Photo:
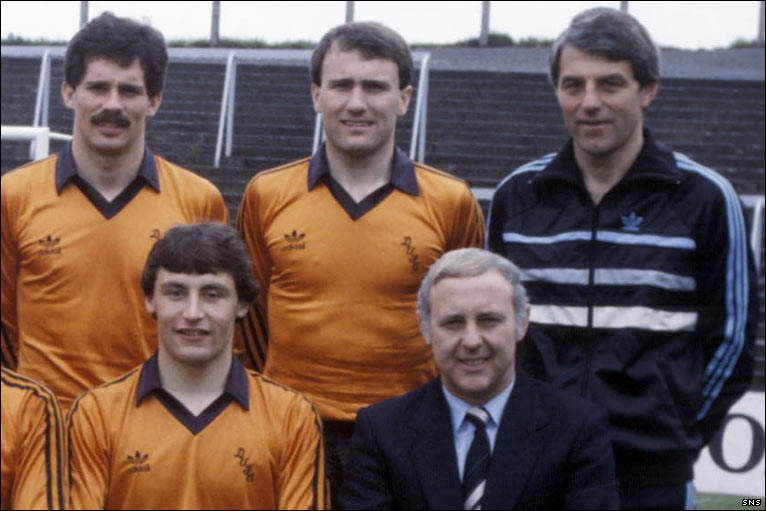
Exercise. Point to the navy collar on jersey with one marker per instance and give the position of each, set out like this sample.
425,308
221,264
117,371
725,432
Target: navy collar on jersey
402,178
654,162
402,175
236,382
235,390
66,169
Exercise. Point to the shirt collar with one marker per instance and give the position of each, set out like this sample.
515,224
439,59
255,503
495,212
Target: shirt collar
495,406
66,169
236,383
402,175
654,161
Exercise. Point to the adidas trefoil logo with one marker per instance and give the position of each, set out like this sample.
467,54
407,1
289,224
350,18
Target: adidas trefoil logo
631,222
295,241
49,245
138,462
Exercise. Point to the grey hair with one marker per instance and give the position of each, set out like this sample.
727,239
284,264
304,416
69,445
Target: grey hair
471,262
611,34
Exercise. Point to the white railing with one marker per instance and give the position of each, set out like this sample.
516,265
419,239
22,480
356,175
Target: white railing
227,109
420,117
42,100
318,133
39,135
756,228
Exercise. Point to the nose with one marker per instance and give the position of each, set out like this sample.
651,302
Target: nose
591,97
356,100
192,309
472,337
113,100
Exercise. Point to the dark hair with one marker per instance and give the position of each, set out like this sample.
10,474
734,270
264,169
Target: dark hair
202,248
614,35
122,40
372,40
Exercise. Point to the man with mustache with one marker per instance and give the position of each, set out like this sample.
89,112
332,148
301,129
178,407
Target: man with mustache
637,265
77,226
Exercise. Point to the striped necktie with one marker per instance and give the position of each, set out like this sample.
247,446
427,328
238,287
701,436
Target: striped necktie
477,461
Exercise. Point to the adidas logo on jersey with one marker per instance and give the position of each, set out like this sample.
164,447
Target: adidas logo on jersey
50,245
294,241
138,462
631,222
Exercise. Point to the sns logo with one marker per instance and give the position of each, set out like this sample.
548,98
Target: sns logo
751,502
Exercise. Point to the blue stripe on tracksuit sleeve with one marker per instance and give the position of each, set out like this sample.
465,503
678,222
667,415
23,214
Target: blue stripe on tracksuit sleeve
720,367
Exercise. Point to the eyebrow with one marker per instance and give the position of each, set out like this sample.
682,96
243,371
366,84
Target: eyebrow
365,83
122,86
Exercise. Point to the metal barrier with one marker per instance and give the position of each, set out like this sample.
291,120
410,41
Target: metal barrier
756,202
318,133
39,135
42,100
419,120
227,109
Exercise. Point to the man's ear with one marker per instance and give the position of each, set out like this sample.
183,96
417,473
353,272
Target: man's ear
242,310
67,91
526,322
648,93
154,104
315,92
149,304
405,95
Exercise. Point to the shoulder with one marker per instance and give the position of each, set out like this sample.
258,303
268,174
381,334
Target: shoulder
570,411
404,406
523,174
437,182
29,177
20,392
115,394
275,397
702,181
281,176
187,179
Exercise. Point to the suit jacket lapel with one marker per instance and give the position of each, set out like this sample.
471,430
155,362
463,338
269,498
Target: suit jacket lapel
433,450
516,448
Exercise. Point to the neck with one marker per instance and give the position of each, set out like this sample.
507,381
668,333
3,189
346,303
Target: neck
602,172
196,387
110,174
361,175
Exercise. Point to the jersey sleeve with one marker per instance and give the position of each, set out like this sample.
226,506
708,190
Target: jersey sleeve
727,280
495,221
302,483
9,263
215,209
88,451
251,335
468,224
40,472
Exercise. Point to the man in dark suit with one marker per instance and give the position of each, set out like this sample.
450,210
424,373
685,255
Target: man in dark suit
482,435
